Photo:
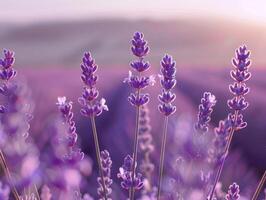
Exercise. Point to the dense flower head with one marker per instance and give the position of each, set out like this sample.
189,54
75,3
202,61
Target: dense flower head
91,106
106,166
168,81
125,173
205,110
139,82
139,45
73,153
7,72
239,89
233,192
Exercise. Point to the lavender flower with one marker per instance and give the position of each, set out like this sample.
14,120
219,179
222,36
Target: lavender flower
140,50
205,109
46,193
28,197
240,75
4,191
106,166
125,173
138,82
90,105
7,72
73,154
168,82
146,147
233,192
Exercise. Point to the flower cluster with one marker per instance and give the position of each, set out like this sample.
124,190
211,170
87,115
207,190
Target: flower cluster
146,146
140,50
168,81
205,109
240,75
90,105
7,72
73,154
217,152
106,166
233,192
125,173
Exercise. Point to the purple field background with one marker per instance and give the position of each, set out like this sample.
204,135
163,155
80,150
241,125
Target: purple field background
48,58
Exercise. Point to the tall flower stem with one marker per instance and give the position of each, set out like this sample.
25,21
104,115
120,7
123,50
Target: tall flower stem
219,172
259,187
135,149
8,175
97,147
162,154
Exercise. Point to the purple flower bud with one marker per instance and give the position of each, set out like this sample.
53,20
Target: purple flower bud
168,72
91,106
106,166
140,100
140,65
139,45
205,109
7,72
125,173
233,192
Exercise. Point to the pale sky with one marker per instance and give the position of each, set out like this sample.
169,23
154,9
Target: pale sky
43,10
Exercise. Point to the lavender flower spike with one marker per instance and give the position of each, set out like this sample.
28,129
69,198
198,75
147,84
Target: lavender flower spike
168,72
138,82
7,72
166,98
233,192
238,103
73,154
205,110
140,50
106,165
126,173
92,107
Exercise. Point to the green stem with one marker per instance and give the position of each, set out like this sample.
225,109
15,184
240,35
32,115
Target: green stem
162,155
97,147
259,187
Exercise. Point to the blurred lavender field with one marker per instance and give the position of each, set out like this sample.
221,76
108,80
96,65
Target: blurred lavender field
48,58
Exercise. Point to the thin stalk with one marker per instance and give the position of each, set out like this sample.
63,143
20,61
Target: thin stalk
8,175
36,192
135,150
97,147
219,172
162,154
259,187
